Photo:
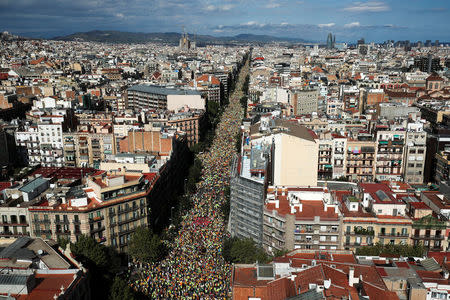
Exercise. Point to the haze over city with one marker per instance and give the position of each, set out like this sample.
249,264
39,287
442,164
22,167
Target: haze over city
310,20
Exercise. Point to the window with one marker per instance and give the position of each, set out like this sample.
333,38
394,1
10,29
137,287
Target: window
323,238
76,218
323,228
56,218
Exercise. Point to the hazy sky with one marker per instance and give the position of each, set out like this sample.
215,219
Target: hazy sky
308,19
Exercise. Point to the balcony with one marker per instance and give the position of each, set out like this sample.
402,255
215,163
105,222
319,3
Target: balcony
393,235
12,234
98,229
362,231
95,219
327,232
357,244
63,232
129,220
41,232
427,237
13,224
42,221
61,221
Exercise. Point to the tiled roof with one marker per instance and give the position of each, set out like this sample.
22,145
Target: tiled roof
310,209
434,77
376,293
63,172
4,185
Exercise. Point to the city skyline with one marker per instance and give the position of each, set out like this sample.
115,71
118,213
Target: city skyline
349,20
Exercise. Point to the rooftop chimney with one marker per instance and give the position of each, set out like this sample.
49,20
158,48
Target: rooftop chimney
351,277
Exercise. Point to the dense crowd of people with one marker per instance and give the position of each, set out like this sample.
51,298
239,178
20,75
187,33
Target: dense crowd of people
195,268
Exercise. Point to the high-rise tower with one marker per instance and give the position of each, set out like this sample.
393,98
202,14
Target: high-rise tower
330,41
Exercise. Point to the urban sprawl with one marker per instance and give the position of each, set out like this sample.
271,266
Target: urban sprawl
330,161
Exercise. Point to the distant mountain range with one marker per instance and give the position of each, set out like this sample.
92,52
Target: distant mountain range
168,37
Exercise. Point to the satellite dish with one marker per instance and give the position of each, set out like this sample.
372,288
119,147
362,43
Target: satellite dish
40,252
327,283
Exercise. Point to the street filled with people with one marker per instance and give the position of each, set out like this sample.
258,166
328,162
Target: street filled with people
194,267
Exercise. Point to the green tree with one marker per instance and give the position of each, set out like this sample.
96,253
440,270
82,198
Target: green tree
62,242
390,249
102,262
213,109
145,246
120,290
278,253
90,252
243,251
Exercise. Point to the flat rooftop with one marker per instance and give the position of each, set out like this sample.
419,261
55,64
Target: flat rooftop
161,90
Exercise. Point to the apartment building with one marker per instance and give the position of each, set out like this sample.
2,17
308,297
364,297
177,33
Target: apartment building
304,101
250,174
189,122
109,209
28,138
390,155
338,155
360,160
370,215
414,159
51,144
211,86
428,230
442,166
325,162
15,221
300,218
140,141
88,149
157,97
350,97
295,151
372,97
